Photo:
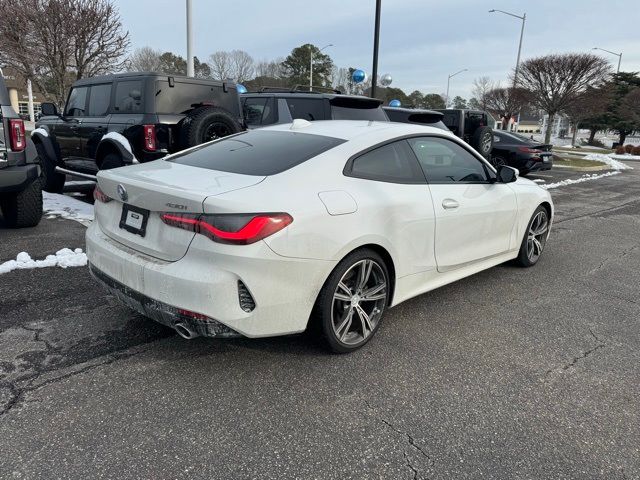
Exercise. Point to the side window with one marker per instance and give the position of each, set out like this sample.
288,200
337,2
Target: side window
77,102
306,108
444,161
393,163
259,111
128,97
99,98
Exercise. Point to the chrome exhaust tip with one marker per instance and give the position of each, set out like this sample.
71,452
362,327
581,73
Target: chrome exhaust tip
184,330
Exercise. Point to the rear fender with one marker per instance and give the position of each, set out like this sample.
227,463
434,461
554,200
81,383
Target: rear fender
115,141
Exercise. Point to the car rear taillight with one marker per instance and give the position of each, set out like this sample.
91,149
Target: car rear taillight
100,196
149,137
530,150
18,139
240,229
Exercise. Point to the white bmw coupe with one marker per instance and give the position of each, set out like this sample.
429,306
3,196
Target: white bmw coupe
329,223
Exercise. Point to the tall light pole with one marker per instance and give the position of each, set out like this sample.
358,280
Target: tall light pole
376,42
523,18
619,55
449,81
190,69
311,63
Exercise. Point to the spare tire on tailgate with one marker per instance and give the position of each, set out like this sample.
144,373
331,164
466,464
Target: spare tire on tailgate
205,124
482,141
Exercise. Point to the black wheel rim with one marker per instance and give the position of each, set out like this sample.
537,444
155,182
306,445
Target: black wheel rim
214,131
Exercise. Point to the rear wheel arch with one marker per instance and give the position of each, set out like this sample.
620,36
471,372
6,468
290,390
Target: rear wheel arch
547,207
104,149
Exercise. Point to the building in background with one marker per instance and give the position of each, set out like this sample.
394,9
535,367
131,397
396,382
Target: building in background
17,86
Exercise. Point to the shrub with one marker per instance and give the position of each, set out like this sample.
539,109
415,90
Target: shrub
628,148
620,150
597,143
636,150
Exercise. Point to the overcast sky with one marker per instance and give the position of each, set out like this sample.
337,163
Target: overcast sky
421,41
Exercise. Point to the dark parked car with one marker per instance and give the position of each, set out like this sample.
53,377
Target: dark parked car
20,191
473,126
116,120
430,118
278,105
520,152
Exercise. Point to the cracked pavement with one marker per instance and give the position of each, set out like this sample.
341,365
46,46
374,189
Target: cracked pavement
511,373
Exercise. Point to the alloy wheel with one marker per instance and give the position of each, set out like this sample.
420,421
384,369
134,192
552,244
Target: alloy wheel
214,131
358,302
537,236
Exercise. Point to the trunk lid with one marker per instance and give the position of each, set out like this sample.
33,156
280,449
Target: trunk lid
153,188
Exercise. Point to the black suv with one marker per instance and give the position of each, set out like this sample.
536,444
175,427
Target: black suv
116,120
473,126
20,191
278,105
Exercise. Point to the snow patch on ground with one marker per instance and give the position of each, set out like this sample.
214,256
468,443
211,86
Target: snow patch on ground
609,160
538,180
55,205
63,258
584,178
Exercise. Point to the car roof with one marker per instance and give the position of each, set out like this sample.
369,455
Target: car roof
144,75
412,110
351,129
302,94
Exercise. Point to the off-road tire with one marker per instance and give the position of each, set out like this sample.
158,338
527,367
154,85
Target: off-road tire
50,180
111,160
23,209
205,124
482,141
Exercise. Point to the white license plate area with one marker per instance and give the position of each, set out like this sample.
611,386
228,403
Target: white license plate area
134,219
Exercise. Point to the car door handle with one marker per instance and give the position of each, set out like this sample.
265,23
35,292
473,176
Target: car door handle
449,204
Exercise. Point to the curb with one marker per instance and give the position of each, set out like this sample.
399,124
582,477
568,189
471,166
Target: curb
597,168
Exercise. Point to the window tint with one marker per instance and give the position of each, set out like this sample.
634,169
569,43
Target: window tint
129,97
99,98
306,108
393,162
444,161
258,152
77,102
182,96
259,111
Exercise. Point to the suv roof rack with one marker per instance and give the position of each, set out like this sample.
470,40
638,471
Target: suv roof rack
298,89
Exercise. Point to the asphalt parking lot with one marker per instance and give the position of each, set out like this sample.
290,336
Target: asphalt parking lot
511,373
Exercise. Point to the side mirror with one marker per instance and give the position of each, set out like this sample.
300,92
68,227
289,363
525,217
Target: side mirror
507,174
49,109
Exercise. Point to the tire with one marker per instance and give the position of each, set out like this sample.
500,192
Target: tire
347,323
111,160
482,141
23,209
205,124
538,228
50,180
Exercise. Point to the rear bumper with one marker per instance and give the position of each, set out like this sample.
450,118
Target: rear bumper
205,282
17,178
538,166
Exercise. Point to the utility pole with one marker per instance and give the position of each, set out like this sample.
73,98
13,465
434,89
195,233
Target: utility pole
449,81
32,117
619,55
190,68
376,42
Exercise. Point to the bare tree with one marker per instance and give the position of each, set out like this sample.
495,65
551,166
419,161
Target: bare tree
556,81
220,64
589,104
242,65
145,59
54,42
270,68
481,87
505,102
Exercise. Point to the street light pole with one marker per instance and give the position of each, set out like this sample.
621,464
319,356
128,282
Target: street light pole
190,68
619,55
524,19
449,81
311,63
376,42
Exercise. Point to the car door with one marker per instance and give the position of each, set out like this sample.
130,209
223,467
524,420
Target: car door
67,132
96,121
128,110
259,111
475,216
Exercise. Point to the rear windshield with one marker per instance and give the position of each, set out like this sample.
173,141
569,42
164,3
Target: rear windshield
513,138
258,152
